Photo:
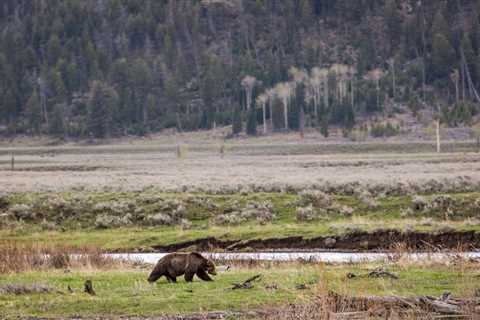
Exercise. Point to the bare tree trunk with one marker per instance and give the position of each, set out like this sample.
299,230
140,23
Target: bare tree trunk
438,135
301,123
469,78
352,88
423,78
392,65
264,110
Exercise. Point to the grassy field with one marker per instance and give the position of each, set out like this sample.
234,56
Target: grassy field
71,218
126,292
133,196
184,163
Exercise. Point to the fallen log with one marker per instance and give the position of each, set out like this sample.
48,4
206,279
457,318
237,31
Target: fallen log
247,284
444,305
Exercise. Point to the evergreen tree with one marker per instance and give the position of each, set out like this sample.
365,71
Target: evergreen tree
237,120
252,122
34,112
101,106
57,124
443,56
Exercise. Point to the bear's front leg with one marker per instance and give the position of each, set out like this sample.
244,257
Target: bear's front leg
203,275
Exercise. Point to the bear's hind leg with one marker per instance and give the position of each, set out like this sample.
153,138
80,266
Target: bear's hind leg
203,275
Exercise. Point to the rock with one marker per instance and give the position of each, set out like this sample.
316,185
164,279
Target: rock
329,242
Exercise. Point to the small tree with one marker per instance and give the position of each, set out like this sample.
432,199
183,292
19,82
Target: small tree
237,121
34,112
102,105
252,122
57,125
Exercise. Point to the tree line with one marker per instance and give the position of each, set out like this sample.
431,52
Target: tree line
102,68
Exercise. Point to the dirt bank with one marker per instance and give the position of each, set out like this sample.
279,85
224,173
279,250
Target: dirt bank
356,241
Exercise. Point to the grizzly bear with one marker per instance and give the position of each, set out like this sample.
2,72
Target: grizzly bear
175,264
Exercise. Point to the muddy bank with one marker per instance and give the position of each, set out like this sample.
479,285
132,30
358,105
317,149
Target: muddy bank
357,241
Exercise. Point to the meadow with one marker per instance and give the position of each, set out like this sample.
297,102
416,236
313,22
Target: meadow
54,289
186,163
186,193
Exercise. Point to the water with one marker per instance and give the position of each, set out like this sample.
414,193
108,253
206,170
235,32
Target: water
327,257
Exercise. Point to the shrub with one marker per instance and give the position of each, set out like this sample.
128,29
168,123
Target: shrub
419,204
384,130
316,198
306,213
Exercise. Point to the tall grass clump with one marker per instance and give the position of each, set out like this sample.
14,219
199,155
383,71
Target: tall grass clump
17,257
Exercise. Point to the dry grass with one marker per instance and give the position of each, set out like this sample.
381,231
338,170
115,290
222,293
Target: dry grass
268,164
17,257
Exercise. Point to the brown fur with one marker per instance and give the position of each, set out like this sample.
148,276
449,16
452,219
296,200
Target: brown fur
176,264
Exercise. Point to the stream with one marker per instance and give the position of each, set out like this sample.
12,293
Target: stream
327,257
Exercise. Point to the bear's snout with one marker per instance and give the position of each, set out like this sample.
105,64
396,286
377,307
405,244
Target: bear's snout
152,278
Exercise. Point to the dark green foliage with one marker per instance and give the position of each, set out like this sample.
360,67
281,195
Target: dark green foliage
33,112
252,122
443,56
384,130
102,105
166,64
460,113
237,121
57,123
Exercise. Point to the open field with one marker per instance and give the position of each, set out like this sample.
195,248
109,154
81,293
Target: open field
185,163
259,194
144,221
125,292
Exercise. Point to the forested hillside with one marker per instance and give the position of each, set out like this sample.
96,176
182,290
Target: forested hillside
103,68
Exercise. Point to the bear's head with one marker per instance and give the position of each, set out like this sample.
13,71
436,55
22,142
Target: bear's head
154,276
210,267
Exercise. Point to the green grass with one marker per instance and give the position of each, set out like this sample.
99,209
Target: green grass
126,292
78,229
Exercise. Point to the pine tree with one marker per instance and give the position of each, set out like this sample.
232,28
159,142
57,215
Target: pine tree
57,125
53,49
33,112
324,127
237,121
443,56
252,122
101,106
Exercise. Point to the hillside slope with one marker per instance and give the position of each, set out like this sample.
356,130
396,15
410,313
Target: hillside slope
114,67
